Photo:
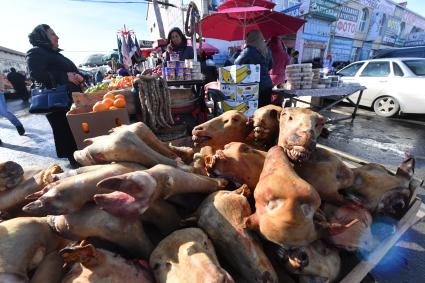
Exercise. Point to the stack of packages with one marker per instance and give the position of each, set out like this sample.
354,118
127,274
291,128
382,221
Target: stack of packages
316,79
299,76
177,70
239,84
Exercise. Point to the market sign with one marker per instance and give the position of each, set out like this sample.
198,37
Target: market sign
346,28
349,14
392,30
145,43
381,5
413,19
298,10
325,9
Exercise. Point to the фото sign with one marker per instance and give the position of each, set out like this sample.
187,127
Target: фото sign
346,28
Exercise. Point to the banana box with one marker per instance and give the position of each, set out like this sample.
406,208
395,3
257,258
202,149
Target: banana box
240,92
246,107
240,74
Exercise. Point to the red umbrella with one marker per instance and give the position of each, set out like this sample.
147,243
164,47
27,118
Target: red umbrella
246,3
206,47
233,23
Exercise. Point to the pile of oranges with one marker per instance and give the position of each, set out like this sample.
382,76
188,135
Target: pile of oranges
110,102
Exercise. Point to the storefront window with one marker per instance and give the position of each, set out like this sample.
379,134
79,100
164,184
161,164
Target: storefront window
355,53
363,21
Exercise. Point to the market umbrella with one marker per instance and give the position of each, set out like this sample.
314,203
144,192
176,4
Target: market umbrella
233,23
206,47
246,3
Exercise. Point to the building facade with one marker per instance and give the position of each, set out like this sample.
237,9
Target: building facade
336,30
348,30
11,58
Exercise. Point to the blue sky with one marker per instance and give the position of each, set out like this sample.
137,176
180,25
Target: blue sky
83,28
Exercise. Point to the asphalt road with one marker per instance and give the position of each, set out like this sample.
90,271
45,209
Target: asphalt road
370,137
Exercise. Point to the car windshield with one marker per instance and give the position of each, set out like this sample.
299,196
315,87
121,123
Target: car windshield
416,66
350,70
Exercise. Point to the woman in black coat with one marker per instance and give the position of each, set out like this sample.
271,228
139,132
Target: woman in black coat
48,67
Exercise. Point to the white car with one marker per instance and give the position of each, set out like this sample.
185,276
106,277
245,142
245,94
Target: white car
394,85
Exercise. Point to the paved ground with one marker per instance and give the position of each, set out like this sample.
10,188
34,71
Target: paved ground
372,138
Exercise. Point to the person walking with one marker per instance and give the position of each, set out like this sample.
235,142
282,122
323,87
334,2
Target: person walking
280,60
257,52
18,82
6,113
46,63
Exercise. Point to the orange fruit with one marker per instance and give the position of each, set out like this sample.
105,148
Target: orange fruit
119,103
99,106
109,95
119,96
108,102
113,108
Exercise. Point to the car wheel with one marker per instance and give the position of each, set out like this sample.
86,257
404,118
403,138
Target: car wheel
386,106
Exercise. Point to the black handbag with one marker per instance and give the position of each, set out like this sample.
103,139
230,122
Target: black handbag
45,100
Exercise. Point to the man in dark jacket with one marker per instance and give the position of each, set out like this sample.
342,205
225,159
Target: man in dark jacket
18,82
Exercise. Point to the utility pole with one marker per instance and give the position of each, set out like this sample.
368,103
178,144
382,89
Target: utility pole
158,18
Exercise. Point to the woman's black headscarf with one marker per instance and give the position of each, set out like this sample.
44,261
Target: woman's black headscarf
38,37
176,29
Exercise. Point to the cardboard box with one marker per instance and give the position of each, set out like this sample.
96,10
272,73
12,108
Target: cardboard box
246,107
240,74
240,92
86,124
81,99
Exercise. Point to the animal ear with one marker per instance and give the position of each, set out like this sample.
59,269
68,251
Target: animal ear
274,114
407,168
251,222
325,133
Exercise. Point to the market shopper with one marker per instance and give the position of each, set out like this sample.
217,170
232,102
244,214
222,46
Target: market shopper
19,85
294,57
177,43
6,113
257,52
280,60
46,64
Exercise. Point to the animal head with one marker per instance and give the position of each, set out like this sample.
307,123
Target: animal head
231,126
380,191
237,162
266,125
299,129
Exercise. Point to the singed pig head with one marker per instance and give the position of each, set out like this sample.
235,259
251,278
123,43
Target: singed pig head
237,162
97,265
327,173
285,203
266,125
322,262
349,227
299,129
379,191
231,126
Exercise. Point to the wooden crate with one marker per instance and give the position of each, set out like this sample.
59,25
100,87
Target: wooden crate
354,269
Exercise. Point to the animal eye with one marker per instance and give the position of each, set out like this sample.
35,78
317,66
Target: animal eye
290,118
235,119
225,121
